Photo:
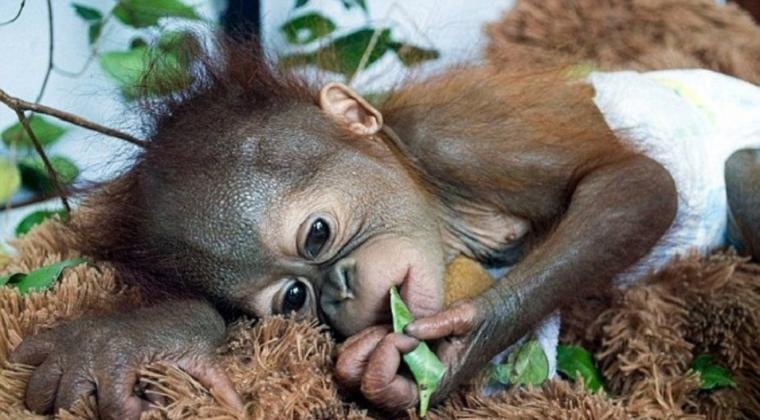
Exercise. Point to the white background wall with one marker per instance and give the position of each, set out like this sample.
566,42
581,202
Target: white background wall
453,27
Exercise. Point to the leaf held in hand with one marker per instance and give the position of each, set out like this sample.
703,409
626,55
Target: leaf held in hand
10,180
575,361
426,368
46,132
713,375
37,217
41,278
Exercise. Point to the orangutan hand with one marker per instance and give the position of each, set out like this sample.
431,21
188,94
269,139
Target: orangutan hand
370,360
104,355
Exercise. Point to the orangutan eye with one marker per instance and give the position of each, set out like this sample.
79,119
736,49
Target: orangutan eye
295,297
319,234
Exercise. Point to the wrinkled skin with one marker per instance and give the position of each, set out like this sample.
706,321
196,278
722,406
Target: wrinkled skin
79,356
268,200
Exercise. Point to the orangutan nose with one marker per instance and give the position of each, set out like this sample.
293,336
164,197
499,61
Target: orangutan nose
340,279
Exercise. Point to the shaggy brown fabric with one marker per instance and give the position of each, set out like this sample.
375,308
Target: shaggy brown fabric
629,35
643,338
644,342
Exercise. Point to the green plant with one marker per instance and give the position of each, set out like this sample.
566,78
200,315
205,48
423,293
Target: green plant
139,69
39,279
348,53
156,61
575,362
711,374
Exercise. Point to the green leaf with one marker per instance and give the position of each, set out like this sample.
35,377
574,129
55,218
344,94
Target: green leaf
37,217
126,68
713,375
10,179
41,278
300,3
93,32
87,13
344,54
11,278
144,13
181,44
501,373
349,4
411,55
46,132
530,366
143,70
34,175
426,368
306,28
575,361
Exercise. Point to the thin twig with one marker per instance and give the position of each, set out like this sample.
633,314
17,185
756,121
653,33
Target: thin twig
50,53
21,105
51,172
366,54
18,14
93,52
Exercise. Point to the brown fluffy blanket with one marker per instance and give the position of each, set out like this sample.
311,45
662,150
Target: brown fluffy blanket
643,339
629,35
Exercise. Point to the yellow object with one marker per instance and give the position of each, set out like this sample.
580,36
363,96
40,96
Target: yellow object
465,279
10,179
688,94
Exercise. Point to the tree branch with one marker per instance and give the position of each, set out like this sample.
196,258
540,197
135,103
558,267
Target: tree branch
18,14
21,105
50,53
51,172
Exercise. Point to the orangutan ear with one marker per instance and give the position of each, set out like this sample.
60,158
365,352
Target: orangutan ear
342,103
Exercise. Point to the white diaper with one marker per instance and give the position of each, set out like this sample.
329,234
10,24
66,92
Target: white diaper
690,121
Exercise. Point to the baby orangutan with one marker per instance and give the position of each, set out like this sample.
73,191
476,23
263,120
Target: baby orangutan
260,195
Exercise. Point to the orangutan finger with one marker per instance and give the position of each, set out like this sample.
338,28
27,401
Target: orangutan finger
115,395
381,383
43,386
73,386
353,356
458,320
33,350
216,380
375,330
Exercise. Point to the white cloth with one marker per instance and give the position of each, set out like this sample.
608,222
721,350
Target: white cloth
690,121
